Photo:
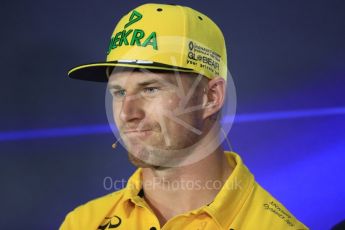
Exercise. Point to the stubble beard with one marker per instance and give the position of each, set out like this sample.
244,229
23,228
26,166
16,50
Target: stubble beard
143,155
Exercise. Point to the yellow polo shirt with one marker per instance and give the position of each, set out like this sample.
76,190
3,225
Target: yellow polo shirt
240,204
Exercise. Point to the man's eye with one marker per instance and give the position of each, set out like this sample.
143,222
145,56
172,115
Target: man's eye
150,90
119,93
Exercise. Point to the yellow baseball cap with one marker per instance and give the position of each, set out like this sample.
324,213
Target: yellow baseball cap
163,37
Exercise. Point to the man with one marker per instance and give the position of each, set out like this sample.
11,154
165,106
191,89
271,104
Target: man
167,75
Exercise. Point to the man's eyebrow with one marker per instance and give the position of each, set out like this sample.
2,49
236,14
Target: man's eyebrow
143,83
149,82
140,84
166,81
114,86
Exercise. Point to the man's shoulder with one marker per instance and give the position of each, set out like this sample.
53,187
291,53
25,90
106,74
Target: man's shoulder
101,202
267,210
92,211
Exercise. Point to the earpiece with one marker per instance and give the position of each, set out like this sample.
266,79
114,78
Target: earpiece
114,145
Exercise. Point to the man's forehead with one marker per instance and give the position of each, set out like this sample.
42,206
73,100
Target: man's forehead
137,77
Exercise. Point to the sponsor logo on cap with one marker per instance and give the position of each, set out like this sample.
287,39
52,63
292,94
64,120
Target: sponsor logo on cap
133,37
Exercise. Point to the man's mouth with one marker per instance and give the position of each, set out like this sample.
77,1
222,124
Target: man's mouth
142,134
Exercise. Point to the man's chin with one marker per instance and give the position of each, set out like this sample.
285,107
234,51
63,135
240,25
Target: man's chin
139,162
157,157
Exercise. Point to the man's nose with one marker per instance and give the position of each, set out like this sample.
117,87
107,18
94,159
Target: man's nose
131,109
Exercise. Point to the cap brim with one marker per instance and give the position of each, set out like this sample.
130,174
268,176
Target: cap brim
98,71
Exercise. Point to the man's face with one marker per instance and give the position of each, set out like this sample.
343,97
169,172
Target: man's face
157,113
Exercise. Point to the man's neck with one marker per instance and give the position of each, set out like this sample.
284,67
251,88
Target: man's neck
173,191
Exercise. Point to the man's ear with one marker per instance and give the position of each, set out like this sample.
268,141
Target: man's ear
215,96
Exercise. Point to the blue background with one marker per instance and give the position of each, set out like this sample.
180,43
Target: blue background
287,59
